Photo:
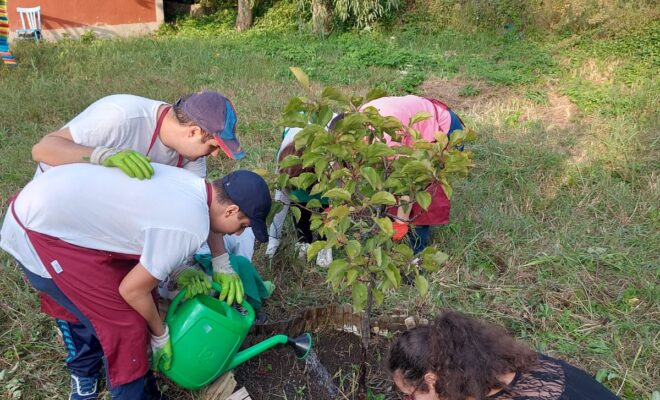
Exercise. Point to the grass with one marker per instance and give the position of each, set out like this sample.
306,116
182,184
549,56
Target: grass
555,234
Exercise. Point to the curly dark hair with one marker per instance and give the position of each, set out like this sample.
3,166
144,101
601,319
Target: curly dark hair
466,355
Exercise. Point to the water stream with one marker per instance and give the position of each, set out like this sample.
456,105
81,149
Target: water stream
320,375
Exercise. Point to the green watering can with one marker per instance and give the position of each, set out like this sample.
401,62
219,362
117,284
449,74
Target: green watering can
206,334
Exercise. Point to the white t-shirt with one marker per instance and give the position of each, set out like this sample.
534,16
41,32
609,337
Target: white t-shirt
163,219
126,122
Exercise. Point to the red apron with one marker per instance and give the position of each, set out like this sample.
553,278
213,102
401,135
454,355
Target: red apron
438,212
90,280
154,136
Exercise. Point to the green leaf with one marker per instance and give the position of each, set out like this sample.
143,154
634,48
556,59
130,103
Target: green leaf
339,211
423,199
385,198
337,268
470,136
393,276
377,296
372,177
334,94
282,181
353,248
378,150
385,225
422,285
315,248
338,193
303,181
419,117
352,122
376,93
359,296
351,275
295,104
356,101
378,256
296,213
300,76
404,250
274,209
290,161
314,203
446,187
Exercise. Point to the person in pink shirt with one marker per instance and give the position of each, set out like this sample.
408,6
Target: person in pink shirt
444,120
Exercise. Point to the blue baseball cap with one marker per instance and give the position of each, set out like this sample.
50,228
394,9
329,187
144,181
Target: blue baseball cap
250,193
215,114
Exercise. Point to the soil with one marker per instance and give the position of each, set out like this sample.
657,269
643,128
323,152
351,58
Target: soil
277,374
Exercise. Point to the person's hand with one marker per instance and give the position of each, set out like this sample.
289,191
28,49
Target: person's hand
230,282
131,162
161,351
400,230
194,282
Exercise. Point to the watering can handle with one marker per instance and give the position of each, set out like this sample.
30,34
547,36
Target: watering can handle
214,286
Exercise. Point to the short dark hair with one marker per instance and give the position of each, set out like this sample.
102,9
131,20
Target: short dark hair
183,118
466,355
221,194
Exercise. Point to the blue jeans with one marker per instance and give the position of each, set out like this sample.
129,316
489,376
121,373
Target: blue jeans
85,352
419,238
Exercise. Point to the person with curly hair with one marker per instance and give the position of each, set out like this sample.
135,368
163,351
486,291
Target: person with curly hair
457,357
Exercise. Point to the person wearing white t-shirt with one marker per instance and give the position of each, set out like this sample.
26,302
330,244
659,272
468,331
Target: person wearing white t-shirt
95,243
131,132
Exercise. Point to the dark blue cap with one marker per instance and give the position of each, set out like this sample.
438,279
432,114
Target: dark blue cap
250,193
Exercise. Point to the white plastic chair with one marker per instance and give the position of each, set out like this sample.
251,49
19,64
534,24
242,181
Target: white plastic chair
33,17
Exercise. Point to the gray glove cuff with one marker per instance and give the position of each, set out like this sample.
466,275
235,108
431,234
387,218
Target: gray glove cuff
160,341
221,264
101,154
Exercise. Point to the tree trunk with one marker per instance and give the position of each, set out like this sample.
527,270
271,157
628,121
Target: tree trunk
320,17
366,335
244,17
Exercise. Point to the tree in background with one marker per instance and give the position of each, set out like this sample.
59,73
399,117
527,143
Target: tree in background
244,16
362,177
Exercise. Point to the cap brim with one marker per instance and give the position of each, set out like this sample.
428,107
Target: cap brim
259,229
231,147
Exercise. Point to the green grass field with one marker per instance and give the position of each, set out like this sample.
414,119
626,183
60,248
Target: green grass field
555,234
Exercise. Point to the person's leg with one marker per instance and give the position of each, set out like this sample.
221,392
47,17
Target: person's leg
455,125
84,387
303,224
419,238
129,391
85,354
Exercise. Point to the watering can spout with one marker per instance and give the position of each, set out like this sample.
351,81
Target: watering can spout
301,346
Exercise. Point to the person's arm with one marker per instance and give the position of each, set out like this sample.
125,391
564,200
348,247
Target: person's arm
58,148
216,244
136,289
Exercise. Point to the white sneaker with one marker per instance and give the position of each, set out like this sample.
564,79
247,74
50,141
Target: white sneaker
324,258
301,248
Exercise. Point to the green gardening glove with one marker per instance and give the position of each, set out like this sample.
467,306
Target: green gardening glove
194,282
131,162
161,351
230,282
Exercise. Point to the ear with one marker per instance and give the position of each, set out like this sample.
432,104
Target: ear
192,130
231,210
430,379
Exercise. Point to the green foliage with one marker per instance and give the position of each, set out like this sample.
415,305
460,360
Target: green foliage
361,176
282,16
